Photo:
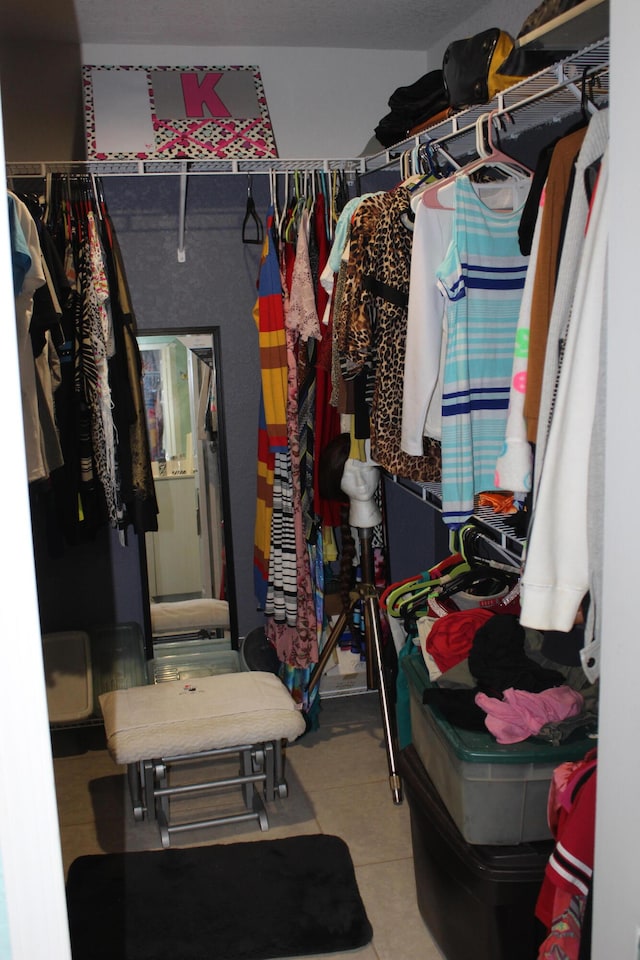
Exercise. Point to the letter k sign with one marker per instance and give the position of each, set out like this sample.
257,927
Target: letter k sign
199,94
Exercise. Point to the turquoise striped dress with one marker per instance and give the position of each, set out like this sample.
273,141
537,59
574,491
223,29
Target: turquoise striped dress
482,277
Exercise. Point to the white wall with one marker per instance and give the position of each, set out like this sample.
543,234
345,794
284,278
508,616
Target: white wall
322,103
33,920
508,15
617,871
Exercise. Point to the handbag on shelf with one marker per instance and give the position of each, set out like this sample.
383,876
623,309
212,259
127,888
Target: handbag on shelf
470,68
411,105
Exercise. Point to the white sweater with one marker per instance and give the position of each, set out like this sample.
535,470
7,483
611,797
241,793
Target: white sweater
556,572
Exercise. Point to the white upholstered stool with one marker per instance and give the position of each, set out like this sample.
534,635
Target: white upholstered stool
153,728
177,617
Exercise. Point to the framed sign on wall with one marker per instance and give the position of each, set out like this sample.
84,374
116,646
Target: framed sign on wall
169,113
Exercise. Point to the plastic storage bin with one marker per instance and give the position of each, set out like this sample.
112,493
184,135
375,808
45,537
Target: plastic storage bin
496,793
68,675
478,901
186,659
118,657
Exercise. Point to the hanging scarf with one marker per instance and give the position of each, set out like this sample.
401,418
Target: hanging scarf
268,315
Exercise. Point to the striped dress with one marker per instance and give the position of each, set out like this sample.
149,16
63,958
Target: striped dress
482,277
268,314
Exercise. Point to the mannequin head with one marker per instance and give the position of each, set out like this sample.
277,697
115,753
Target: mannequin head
352,481
360,482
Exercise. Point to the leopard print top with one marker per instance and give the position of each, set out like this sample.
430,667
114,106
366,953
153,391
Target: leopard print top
352,330
370,326
387,285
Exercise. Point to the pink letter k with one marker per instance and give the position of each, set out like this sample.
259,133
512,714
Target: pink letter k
197,94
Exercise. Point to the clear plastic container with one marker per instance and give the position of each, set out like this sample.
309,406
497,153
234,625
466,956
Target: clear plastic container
68,675
495,793
118,657
186,666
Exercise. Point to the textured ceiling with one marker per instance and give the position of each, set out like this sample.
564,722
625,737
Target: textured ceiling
366,24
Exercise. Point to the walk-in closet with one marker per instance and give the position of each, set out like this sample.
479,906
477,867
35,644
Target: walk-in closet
525,503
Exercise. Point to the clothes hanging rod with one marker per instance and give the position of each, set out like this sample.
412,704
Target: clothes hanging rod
163,168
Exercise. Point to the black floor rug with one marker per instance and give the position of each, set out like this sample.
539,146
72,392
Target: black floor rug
238,901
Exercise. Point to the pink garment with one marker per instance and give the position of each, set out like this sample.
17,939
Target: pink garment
296,645
522,714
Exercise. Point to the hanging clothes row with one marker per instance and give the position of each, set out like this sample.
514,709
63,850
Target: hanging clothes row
483,397
85,426
466,349
295,524
438,296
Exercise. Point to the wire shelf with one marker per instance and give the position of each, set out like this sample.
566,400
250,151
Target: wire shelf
545,97
499,527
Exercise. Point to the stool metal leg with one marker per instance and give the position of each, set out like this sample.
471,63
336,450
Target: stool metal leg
147,768
269,769
260,777
136,790
280,782
246,769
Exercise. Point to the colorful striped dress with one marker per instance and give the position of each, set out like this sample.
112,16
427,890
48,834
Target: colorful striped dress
482,277
272,431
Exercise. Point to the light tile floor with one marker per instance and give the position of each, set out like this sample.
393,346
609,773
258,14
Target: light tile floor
338,784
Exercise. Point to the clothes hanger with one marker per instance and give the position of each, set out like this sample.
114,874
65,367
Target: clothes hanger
489,156
430,193
251,218
96,198
401,597
587,105
428,168
479,579
463,571
470,539
280,216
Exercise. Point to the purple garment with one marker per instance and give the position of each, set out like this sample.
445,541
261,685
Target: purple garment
522,714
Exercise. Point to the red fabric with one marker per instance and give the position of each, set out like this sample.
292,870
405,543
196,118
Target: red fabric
563,783
451,637
570,866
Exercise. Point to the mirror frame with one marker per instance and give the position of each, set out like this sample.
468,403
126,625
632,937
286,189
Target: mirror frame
214,332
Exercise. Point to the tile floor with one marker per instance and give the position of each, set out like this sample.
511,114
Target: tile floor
338,784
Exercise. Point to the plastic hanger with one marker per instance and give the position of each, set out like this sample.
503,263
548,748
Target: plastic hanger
251,217
431,171
430,193
400,595
489,156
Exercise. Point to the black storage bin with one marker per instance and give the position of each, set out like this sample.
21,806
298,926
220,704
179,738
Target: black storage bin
477,901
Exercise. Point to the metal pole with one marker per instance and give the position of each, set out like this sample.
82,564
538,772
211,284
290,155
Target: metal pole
376,677
373,639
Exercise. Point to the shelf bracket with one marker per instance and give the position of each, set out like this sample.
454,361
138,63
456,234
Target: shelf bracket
182,213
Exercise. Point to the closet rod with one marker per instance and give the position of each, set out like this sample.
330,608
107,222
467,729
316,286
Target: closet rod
163,168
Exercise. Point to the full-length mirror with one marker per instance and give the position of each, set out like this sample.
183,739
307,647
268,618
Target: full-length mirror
188,558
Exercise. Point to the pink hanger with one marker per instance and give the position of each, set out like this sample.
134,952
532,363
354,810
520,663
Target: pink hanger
493,157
